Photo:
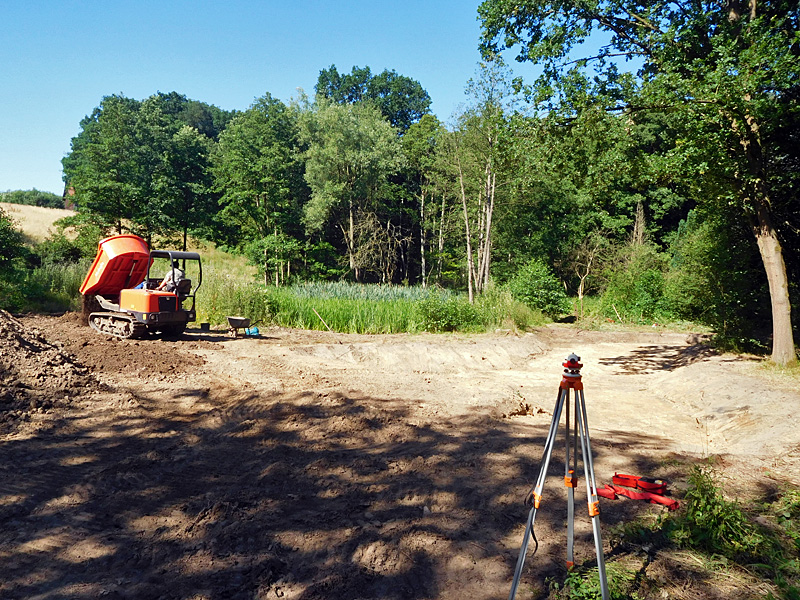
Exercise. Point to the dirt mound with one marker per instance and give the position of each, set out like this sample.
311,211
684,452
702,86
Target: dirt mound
35,375
107,355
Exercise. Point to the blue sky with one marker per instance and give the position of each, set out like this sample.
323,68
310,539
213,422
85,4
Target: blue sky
58,58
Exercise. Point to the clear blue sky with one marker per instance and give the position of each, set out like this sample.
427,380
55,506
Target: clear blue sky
58,58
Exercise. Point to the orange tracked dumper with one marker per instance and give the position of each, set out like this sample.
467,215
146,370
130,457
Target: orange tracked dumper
121,299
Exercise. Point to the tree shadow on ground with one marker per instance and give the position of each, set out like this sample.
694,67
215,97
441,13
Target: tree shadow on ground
648,359
268,495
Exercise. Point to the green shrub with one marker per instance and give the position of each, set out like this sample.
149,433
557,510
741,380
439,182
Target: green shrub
716,525
535,285
635,283
584,583
438,314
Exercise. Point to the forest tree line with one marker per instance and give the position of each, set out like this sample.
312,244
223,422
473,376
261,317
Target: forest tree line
670,193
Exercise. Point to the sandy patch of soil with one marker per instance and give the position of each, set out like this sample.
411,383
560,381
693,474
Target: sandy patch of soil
310,465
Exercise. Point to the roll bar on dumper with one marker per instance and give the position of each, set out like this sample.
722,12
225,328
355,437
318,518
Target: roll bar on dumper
119,295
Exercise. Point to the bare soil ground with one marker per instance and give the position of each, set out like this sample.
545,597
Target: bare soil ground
307,465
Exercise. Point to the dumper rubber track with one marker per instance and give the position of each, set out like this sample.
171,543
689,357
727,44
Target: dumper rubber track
117,324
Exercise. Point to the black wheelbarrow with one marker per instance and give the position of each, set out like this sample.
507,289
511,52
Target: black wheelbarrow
237,323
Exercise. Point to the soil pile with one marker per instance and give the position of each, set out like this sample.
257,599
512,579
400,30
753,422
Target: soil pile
35,375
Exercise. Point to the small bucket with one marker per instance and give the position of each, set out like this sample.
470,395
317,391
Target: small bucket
205,327
251,331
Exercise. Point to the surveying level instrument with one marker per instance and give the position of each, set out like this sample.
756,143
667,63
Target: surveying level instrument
571,380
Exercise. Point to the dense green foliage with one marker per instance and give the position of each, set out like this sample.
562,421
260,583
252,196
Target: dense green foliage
32,197
720,81
400,99
11,253
643,189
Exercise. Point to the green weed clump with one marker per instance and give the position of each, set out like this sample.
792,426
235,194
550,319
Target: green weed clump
584,583
724,530
716,525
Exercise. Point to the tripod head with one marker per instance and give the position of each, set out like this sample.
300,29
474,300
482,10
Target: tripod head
572,365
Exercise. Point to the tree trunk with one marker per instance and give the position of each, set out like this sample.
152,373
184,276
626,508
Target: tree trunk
470,262
350,235
783,351
266,268
487,251
423,271
440,247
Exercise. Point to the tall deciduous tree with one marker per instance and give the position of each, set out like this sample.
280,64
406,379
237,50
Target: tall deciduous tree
477,156
258,171
186,184
352,150
727,69
420,144
101,166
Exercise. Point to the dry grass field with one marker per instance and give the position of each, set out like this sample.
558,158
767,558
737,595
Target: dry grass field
35,221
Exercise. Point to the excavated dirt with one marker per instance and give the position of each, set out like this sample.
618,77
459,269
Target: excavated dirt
308,465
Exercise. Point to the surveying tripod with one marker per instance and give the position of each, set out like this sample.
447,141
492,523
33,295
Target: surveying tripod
571,380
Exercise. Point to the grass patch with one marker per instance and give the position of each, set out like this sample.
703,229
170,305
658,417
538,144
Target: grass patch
729,544
54,288
356,308
583,583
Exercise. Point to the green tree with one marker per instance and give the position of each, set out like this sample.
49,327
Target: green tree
258,170
207,119
420,144
477,165
12,249
351,152
400,99
186,184
102,162
725,70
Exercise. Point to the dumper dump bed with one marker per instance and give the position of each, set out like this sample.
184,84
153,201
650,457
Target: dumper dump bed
121,263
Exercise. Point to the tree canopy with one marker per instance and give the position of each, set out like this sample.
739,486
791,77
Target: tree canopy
400,99
725,74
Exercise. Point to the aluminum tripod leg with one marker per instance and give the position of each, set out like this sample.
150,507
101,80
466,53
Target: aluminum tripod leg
537,492
591,487
570,482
